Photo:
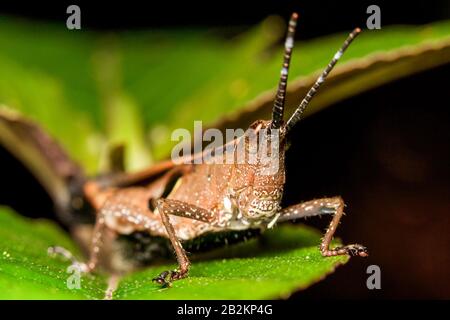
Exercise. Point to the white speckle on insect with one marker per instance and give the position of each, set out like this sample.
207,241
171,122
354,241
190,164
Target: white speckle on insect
308,208
274,220
338,55
289,44
227,204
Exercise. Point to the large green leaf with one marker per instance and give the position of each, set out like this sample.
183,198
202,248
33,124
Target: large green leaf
283,261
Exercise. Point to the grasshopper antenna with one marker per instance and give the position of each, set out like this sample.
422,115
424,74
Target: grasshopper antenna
278,106
298,113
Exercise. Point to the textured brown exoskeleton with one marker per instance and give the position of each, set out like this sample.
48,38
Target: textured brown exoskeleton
217,197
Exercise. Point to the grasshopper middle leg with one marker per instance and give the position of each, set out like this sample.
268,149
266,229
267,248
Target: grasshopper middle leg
334,206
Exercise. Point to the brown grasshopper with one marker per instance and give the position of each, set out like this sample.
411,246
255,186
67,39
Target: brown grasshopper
214,197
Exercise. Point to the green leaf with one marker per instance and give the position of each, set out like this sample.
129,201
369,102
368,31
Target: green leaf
283,261
27,272
46,75
287,260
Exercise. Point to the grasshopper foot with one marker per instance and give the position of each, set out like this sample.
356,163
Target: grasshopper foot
351,249
166,278
357,250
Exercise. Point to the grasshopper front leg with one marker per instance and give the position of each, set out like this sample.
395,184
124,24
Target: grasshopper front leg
334,206
167,207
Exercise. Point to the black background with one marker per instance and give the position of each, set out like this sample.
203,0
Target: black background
385,151
317,17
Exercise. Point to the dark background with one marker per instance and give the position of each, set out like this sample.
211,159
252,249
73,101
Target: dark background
317,17
385,151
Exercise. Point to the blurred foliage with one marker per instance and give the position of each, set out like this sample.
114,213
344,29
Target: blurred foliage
27,272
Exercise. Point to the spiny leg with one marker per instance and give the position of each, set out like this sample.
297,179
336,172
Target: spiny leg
334,206
95,249
97,241
67,255
117,215
123,213
181,209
